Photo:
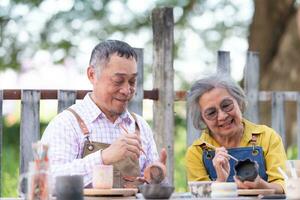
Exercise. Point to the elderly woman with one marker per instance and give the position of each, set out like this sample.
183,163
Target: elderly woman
216,105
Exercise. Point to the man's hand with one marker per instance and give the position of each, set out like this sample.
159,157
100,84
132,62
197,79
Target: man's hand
128,145
221,164
163,156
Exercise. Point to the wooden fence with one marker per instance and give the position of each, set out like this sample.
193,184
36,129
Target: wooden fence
163,96
254,96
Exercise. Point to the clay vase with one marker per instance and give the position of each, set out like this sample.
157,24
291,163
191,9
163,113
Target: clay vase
246,170
155,173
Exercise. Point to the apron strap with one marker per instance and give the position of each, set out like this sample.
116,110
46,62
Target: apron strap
254,138
135,121
84,130
81,123
253,142
204,146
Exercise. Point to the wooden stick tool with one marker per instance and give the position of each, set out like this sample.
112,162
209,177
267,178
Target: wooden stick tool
141,149
214,148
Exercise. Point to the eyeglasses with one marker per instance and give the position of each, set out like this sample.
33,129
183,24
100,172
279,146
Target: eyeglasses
226,106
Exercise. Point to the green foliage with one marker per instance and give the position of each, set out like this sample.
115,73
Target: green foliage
292,153
180,179
179,153
62,28
10,159
10,171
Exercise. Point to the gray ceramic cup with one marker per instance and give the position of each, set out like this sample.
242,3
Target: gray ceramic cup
69,187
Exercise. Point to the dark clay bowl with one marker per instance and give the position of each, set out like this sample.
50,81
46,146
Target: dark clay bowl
156,191
246,170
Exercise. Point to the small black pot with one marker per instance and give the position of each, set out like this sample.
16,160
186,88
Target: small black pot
246,170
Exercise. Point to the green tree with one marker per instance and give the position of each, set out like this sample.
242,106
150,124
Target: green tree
28,26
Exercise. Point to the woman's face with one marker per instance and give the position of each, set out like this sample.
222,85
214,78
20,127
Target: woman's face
221,112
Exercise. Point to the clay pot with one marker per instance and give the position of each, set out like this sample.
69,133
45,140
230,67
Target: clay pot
155,173
246,170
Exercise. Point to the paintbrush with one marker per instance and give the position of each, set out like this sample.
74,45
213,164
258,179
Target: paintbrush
141,149
213,147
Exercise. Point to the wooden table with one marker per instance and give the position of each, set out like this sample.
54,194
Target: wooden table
139,196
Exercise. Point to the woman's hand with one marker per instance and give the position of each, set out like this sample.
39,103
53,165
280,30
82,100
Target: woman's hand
221,164
258,183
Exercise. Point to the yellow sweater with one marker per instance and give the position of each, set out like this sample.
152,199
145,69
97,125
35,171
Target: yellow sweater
268,139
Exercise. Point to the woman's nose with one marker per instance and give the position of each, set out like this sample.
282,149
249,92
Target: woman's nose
221,114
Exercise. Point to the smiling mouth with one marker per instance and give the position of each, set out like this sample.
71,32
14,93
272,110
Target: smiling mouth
123,100
229,122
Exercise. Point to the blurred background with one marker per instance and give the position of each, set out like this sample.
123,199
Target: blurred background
47,44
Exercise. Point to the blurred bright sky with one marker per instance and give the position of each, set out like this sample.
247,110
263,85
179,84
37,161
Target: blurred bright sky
39,72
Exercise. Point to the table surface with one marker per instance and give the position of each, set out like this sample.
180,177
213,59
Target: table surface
140,196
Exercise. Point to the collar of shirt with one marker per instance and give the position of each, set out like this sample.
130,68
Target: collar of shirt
95,112
249,129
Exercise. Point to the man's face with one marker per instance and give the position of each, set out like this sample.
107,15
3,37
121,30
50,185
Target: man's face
115,85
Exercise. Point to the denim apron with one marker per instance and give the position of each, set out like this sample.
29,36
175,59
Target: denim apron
254,153
124,171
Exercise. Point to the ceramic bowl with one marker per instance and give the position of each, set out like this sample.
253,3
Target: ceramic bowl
156,191
200,189
246,170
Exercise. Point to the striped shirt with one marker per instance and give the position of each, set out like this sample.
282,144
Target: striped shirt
66,140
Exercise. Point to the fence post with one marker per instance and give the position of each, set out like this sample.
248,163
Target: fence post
136,104
251,86
1,139
278,115
65,99
223,65
163,78
298,124
29,127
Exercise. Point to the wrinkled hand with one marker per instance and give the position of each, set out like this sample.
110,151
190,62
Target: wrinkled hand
128,145
163,156
249,184
221,164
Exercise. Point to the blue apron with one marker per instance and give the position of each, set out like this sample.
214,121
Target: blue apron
254,153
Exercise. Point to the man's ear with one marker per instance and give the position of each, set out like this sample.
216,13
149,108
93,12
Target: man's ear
91,73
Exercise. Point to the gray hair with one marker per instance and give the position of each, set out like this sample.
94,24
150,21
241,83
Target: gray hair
206,84
102,52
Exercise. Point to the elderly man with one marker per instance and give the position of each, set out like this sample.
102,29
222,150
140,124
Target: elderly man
99,129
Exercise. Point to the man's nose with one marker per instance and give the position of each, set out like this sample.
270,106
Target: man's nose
126,89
